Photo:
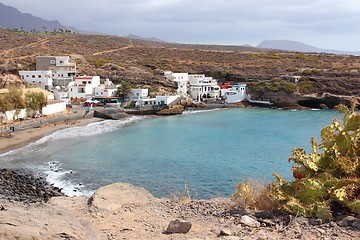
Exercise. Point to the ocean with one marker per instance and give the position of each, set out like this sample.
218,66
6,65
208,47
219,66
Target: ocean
202,153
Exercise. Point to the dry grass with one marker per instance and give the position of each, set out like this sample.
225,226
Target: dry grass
251,194
183,196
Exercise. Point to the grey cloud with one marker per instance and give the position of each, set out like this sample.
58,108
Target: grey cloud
206,21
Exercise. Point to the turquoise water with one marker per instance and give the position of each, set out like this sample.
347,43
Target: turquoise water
208,151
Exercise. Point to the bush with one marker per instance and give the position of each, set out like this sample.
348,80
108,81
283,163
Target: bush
292,69
306,86
275,85
328,177
253,195
311,72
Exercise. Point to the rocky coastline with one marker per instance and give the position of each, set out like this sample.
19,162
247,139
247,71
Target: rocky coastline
24,186
32,209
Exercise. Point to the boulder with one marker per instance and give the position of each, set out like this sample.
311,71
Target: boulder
178,109
178,226
112,197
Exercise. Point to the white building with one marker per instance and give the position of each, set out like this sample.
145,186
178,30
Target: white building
63,70
203,87
51,71
181,79
83,86
42,77
140,96
159,100
139,93
106,90
165,100
236,93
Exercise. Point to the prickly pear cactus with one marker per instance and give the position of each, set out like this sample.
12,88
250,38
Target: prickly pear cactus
327,175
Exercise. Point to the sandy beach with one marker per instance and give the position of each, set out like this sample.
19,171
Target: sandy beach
34,129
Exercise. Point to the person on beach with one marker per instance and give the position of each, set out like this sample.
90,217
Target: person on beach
87,110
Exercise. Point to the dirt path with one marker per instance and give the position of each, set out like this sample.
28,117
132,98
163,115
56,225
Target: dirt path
112,50
8,51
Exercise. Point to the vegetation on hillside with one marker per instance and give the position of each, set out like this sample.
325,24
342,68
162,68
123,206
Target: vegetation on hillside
141,63
124,89
275,85
325,180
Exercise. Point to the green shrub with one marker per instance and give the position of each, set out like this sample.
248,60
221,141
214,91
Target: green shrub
292,69
302,56
275,85
311,72
306,86
326,177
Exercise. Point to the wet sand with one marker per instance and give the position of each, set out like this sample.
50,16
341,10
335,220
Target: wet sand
34,129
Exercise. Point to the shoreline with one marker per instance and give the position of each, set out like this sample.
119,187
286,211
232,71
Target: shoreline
124,211
35,129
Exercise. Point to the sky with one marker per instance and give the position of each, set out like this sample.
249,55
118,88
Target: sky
327,24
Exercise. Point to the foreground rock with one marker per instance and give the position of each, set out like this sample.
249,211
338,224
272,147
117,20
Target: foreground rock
123,211
178,226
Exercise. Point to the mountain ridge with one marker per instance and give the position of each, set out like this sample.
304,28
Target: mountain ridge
290,45
12,18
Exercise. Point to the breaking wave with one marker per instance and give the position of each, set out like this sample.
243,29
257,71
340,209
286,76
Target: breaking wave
91,129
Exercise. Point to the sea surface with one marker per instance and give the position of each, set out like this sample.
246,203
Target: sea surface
207,152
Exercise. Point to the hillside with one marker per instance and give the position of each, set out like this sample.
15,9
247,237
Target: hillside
14,19
141,62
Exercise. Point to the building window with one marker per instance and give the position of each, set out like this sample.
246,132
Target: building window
83,82
61,62
39,76
89,82
33,76
52,61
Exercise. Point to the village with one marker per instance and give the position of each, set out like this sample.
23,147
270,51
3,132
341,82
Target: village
56,77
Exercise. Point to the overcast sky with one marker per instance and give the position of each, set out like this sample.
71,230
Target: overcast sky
329,24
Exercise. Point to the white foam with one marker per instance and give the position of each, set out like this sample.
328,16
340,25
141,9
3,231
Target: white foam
55,176
201,111
80,131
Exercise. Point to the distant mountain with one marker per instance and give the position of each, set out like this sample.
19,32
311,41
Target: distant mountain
288,45
147,39
12,18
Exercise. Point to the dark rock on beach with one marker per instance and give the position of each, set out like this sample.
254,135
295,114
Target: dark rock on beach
24,186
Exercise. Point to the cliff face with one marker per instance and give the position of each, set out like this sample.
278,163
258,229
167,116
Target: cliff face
284,99
314,92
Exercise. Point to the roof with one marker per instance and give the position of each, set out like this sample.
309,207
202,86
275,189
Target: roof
103,97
